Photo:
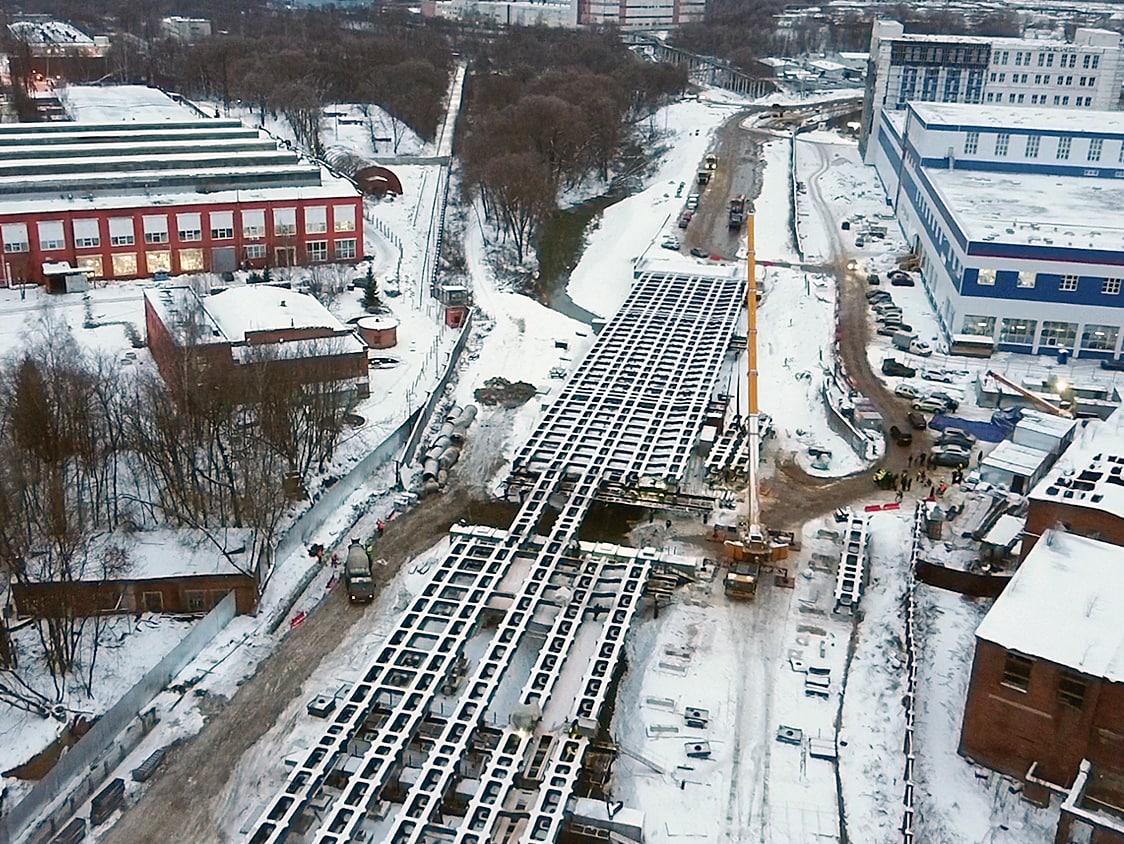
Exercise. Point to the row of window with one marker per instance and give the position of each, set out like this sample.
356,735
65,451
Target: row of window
1033,146
189,228
1089,61
1071,687
126,264
1023,332
1066,283
1044,79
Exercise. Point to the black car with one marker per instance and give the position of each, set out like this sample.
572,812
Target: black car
873,279
699,253
902,438
876,295
953,440
917,420
900,278
893,367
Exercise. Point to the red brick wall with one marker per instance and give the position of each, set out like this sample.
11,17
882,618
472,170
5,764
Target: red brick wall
45,599
1007,729
1043,515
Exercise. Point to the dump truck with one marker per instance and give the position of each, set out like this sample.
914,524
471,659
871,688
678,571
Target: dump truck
737,211
357,571
703,177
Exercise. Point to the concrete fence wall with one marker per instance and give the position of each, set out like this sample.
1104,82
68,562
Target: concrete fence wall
438,391
85,759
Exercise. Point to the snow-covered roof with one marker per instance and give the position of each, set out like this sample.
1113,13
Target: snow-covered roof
1035,421
1029,209
1064,604
123,104
173,553
1090,473
50,32
1017,459
262,307
1005,531
1012,118
826,66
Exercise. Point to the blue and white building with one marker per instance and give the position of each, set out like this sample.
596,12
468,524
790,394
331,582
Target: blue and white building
1017,217
1036,72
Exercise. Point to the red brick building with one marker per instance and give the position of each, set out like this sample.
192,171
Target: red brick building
1047,684
131,200
249,326
167,571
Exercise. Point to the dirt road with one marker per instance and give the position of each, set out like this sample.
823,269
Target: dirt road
176,805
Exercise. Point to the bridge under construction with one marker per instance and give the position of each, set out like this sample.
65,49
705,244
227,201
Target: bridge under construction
474,722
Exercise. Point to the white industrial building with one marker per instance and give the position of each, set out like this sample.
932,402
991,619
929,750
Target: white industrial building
187,30
1083,73
623,14
1015,215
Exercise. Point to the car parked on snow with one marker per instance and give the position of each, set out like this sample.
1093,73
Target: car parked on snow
953,440
952,403
873,279
905,390
949,455
670,243
876,295
930,405
937,375
699,253
959,433
900,278
896,368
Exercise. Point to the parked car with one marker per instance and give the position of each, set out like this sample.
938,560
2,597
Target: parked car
887,330
693,201
917,420
929,405
846,225
897,368
900,278
699,253
937,375
859,242
872,279
902,438
947,440
670,243
876,295
952,404
959,433
949,455
905,390
886,304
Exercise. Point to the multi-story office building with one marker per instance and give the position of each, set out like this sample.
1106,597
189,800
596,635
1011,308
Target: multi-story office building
1085,73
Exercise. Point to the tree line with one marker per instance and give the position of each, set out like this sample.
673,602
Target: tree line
91,447
548,108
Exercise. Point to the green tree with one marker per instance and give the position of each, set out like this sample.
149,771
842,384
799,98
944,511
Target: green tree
371,291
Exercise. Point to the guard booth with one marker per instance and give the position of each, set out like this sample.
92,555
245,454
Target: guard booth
63,278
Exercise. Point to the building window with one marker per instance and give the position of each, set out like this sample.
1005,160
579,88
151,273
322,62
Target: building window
1049,60
1058,334
1003,57
982,326
1018,331
125,265
284,222
1065,102
255,252
189,227
1041,59
195,600
159,261
990,96
91,265
1071,689
986,278
86,234
316,219
153,601
971,143
1016,672
191,260
1096,62
1026,278
121,231
343,218
1067,284
1002,141
156,229
253,224
1099,338
15,237
1063,147
1111,286
1095,146
222,225
317,250
345,249
51,235
1010,98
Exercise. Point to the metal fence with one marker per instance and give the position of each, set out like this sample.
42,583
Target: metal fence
86,759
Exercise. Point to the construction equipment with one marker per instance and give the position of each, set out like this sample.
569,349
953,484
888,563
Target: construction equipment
703,177
1033,398
756,548
737,211
357,571
711,161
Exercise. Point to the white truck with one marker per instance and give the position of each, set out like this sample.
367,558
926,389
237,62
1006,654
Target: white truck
908,342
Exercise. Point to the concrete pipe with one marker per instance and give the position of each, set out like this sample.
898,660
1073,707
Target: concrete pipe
449,457
466,418
431,468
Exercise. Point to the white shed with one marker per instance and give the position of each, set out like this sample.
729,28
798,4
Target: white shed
1015,467
1044,431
